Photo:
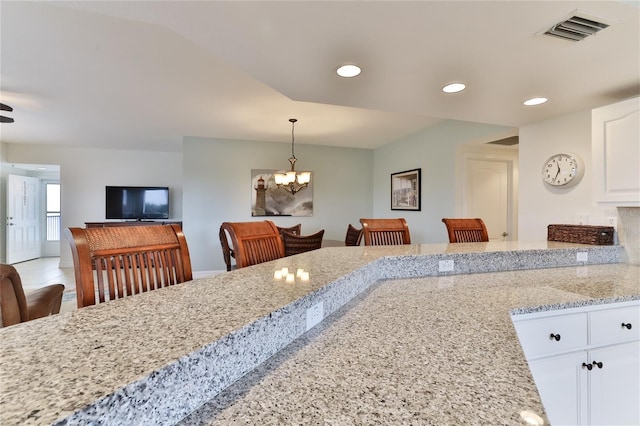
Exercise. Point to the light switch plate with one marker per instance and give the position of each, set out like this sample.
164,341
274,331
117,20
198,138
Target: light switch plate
582,256
315,314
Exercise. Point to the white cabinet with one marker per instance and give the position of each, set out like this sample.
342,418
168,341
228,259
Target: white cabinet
615,145
558,380
615,387
585,362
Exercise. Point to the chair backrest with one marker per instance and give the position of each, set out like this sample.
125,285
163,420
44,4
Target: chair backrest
385,232
294,244
121,261
353,237
15,307
295,230
227,253
466,230
13,304
254,242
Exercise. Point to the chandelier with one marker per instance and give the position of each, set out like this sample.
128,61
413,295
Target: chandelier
291,181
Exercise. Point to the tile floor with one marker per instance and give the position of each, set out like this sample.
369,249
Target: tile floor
40,272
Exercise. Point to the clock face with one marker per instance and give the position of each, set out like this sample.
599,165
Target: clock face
561,169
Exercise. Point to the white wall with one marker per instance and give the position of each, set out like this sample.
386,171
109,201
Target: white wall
434,151
540,204
217,188
348,183
85,172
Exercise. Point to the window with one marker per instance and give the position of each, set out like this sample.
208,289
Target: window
53,211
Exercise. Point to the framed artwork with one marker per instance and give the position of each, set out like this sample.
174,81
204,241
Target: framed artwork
405,190
269,200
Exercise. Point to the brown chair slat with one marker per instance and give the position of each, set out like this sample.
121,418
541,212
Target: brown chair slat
378,232
117,262
466,230
252,242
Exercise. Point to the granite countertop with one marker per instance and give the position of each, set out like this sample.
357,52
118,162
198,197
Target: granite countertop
451,357
156,357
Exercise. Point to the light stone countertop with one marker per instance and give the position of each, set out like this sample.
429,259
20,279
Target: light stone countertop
424,351
155,357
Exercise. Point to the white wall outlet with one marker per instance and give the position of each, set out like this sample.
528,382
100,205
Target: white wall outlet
445,265
612,221
582,256
582,219
315,314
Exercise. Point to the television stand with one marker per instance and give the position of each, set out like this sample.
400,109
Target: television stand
131,223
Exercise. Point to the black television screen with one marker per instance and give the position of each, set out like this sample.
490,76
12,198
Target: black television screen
137,202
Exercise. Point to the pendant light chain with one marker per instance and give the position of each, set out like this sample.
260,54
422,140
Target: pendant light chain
293,125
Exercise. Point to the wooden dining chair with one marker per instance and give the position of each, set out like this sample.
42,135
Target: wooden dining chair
385,232
120,261
295,230
294,244
16,307
252,242
227,250
466,230
353,236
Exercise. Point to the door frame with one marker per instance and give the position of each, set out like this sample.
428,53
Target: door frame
487,153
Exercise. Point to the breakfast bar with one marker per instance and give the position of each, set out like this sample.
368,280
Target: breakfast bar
418,333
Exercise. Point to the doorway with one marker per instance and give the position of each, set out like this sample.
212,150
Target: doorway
488,189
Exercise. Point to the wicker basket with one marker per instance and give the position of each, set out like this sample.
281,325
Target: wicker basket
581,234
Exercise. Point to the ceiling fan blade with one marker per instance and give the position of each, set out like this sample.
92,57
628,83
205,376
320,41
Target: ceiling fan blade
4,107
4,119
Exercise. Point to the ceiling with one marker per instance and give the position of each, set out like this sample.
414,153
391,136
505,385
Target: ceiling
143,74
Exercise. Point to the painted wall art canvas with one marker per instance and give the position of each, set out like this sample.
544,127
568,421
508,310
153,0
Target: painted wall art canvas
269,200
405,190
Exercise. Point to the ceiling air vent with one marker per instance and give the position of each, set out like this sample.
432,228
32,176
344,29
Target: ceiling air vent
576,28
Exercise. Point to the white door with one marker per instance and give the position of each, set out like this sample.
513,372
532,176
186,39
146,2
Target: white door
488,195
23,231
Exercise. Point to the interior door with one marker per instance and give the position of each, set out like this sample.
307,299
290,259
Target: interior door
488,195
23,230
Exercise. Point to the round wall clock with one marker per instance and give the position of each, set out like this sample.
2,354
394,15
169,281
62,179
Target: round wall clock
562,170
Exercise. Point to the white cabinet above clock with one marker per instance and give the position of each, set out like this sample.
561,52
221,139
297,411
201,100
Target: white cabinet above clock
616,153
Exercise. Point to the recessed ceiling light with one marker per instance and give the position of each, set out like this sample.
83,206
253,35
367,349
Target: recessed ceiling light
349,70
453,88
535,101
41,168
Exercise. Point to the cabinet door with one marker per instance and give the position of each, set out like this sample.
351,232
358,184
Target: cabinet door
615,151
615,388
569,334
561,383
614,325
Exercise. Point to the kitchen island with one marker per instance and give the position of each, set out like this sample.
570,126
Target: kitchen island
156,357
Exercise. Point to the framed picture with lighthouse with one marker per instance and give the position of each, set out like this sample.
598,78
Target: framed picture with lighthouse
267,199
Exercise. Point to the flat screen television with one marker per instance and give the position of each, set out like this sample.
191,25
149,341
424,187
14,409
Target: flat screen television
137,202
